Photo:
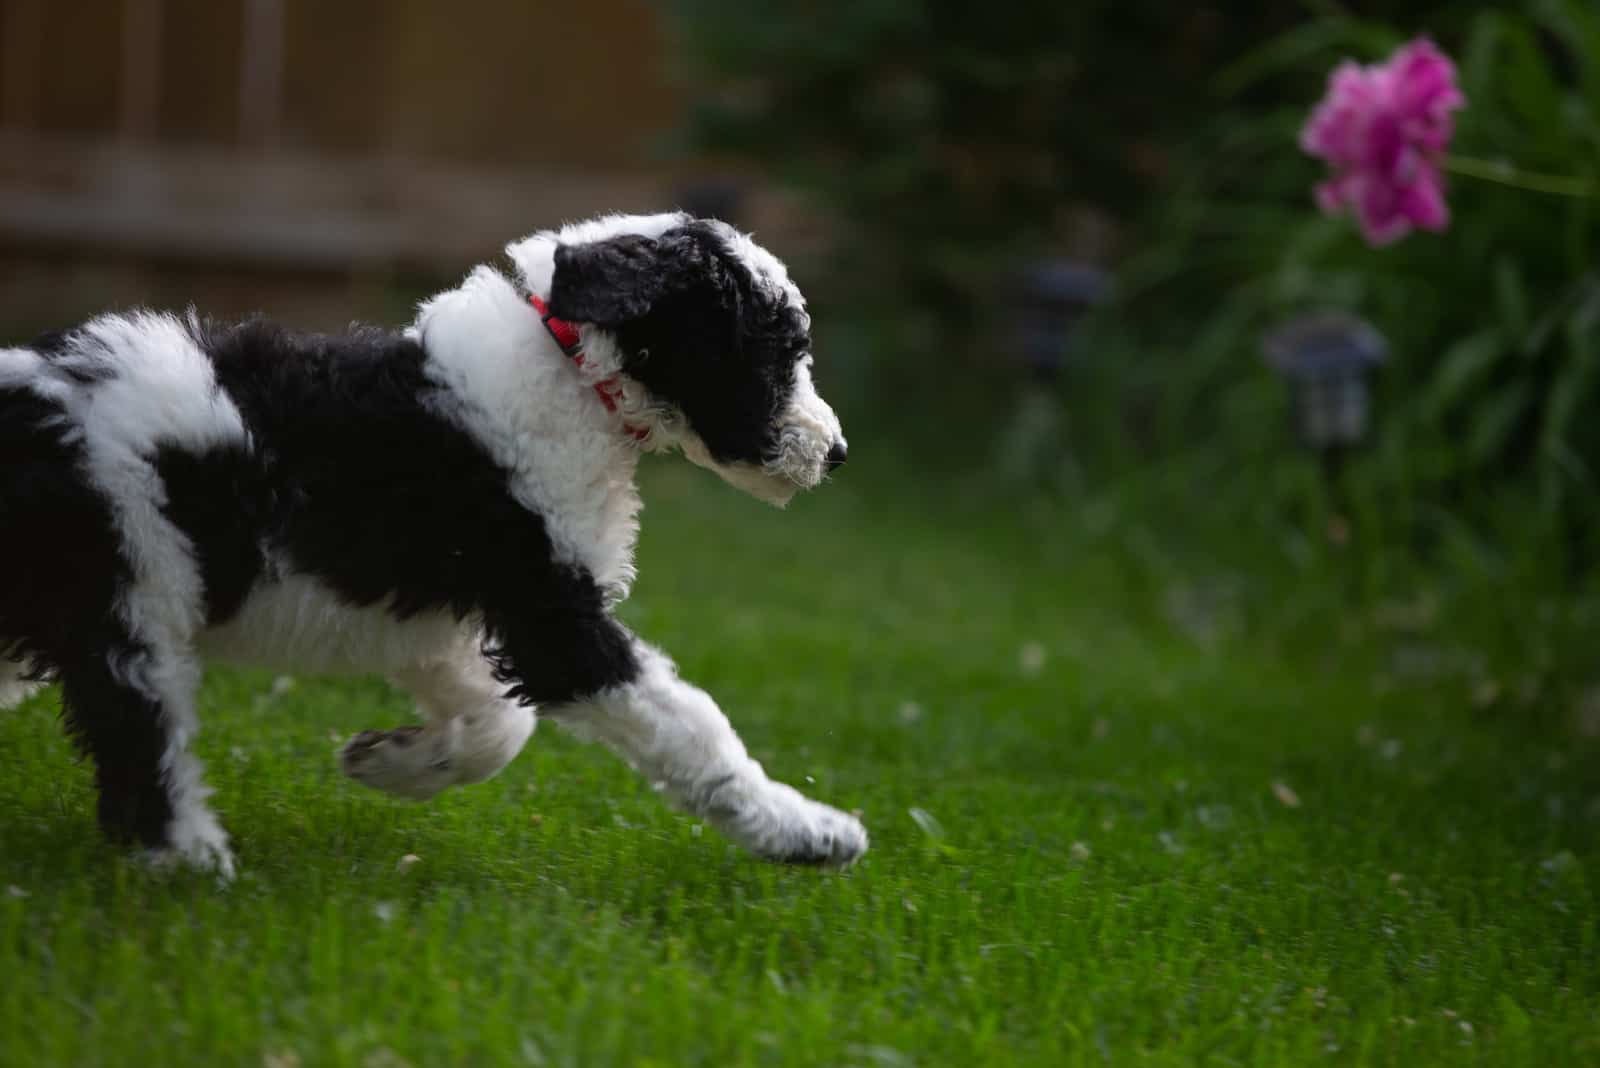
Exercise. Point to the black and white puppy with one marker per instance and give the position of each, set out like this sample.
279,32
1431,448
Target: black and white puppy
452,506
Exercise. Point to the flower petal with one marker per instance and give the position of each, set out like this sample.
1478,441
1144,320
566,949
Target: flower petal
1423,202
1382,129
1378,207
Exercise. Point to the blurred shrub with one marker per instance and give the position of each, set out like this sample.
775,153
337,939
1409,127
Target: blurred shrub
1494,325
944,140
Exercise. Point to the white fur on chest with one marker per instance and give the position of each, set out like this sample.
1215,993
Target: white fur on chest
508,385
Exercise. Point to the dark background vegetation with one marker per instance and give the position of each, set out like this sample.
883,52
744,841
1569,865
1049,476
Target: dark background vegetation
909,159
1161,142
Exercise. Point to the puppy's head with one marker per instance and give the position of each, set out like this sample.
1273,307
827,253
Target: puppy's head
708,326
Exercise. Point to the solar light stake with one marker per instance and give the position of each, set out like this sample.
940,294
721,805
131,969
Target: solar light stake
1043,301
1051,296
1327,359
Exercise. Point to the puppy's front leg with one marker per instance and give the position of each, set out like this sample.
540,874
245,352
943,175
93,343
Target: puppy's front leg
673,733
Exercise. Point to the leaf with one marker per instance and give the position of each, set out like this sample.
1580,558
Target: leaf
932,828
1462,367
1575,26
1569,389
1328,39
1561,455
1580,303
1494,426
1562,467
1512,295
1524,76
1483,42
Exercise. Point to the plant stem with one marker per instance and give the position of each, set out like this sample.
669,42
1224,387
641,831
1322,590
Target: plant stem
1506,174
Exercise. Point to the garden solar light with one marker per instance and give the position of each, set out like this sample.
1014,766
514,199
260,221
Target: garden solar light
1052,295
1327,359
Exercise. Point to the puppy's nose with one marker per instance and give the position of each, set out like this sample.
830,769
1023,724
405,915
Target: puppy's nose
838,454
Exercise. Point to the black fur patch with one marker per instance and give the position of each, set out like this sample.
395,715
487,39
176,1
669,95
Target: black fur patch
58,611
363,484
695,327
64,563
615,281
51,343
220,501
79,362
121,728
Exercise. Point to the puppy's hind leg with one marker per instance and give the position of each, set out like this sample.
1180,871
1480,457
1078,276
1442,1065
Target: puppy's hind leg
471,732
131,711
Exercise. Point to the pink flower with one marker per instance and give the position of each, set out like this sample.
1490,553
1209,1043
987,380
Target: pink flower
1383,130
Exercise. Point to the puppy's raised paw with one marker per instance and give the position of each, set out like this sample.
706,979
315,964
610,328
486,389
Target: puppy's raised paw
777,822
834,839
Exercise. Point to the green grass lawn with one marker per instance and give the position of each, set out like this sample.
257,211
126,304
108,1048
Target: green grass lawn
1103,832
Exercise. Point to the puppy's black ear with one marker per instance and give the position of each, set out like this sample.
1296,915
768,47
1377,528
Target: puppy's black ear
607,282
619,280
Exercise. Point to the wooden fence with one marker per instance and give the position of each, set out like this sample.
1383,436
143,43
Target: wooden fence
334,134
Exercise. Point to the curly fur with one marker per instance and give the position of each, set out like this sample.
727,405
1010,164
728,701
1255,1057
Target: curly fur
449,505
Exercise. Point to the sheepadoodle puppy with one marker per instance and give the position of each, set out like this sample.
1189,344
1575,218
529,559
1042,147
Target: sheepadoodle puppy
452,506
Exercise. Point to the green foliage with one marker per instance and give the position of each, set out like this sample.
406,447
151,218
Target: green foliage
942,138
949,145
1493,325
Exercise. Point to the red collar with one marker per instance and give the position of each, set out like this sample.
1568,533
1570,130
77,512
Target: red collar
566,335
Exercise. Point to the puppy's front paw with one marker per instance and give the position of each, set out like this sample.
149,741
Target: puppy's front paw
406,761
833,839
779,823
